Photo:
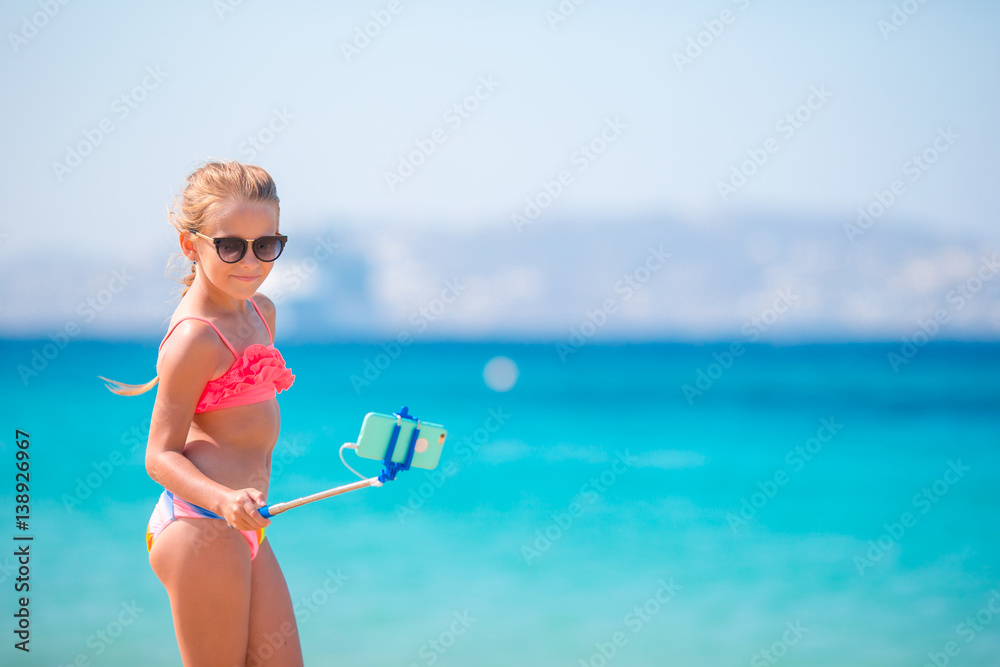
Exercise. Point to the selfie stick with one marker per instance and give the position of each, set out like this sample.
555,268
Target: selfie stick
389,470
278,508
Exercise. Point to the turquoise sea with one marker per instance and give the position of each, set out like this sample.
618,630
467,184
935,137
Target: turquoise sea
811,506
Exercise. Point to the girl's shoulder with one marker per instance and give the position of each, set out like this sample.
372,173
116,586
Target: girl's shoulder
190,341
267,308
264,303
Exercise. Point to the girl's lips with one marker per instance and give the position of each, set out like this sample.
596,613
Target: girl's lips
248,279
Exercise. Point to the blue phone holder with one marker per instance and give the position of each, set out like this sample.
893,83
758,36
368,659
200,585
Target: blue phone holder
390,467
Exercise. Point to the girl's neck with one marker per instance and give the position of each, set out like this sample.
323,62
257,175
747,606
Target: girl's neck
206,296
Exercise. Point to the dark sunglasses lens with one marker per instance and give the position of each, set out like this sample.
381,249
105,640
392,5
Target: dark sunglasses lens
267,248
231,250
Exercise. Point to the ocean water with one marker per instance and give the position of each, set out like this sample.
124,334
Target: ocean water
810,506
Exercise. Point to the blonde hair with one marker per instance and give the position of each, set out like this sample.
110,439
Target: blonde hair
209,188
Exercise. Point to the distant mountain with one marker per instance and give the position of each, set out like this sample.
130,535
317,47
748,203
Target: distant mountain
564,280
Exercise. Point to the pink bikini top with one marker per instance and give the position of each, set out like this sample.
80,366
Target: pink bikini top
256,376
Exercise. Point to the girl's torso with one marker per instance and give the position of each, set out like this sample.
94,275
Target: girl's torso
233,446
236,422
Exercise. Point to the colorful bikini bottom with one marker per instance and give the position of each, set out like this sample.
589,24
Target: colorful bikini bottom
169,507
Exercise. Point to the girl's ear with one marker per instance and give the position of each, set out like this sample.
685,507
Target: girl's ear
187,246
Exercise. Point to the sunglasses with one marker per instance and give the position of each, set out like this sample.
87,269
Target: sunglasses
232,249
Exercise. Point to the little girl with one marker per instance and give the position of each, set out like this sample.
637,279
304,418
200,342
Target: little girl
215,422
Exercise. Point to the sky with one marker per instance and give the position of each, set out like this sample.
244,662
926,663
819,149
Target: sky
458,119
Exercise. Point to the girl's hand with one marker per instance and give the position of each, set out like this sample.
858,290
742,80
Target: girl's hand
239,509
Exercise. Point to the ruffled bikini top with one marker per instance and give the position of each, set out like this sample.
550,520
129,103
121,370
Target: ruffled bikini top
258,375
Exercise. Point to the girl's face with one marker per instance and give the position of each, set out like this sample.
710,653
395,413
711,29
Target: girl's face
240,279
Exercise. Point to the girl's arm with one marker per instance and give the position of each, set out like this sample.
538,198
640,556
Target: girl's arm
187,363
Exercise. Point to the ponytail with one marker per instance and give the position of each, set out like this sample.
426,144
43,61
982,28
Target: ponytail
188,280
123,389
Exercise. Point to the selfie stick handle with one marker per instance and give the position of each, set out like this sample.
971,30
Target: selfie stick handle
278,508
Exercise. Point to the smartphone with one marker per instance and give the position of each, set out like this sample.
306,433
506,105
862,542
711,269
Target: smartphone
376,430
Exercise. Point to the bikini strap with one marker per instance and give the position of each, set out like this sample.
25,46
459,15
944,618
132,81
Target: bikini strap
269,334
202,319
